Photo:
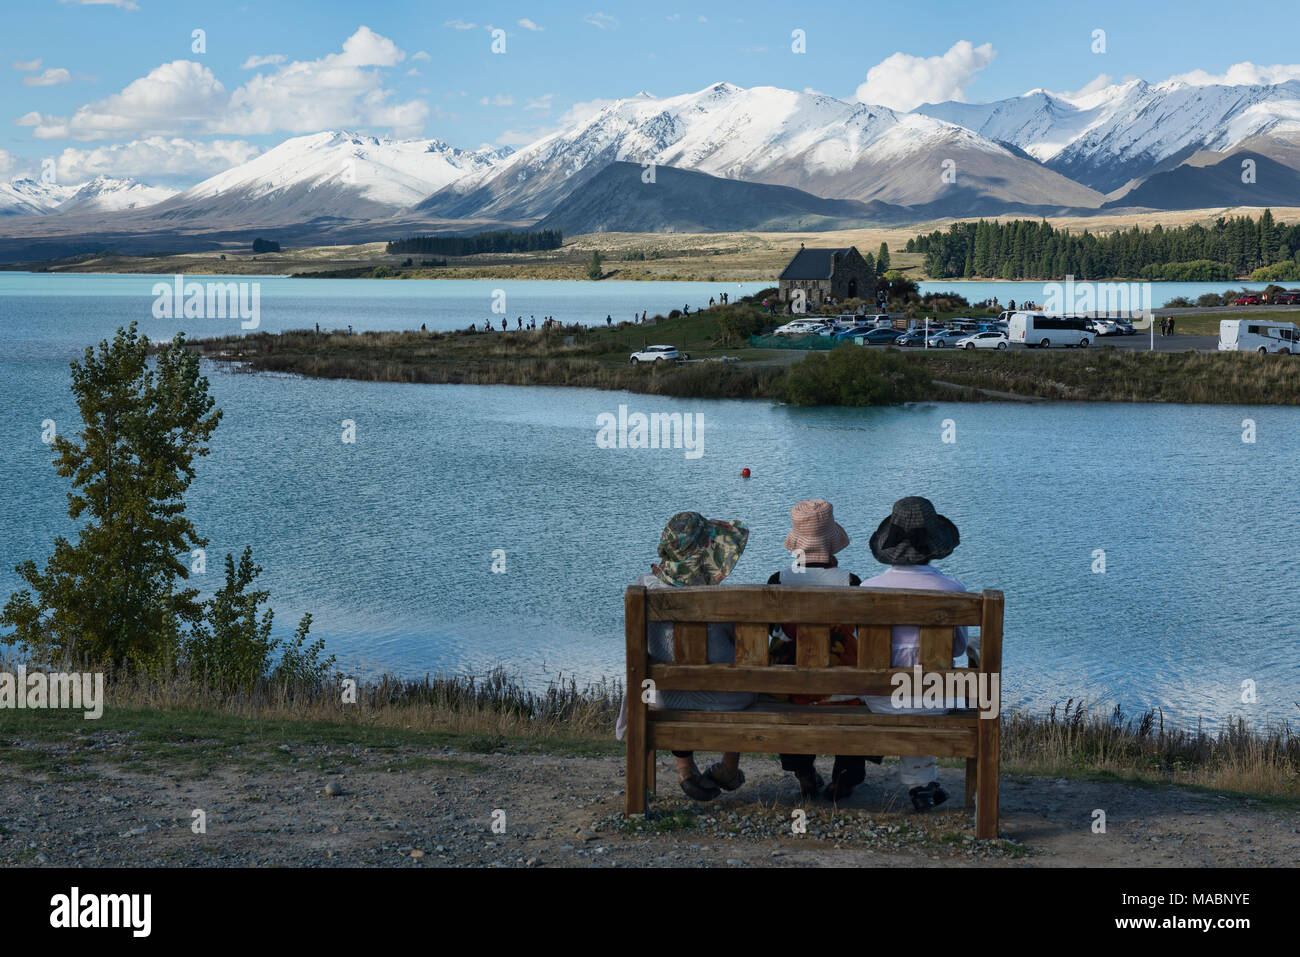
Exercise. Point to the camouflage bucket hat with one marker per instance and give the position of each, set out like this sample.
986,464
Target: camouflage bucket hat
699,551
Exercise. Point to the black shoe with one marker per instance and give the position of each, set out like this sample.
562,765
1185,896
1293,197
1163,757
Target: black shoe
928,797
842,784
810,787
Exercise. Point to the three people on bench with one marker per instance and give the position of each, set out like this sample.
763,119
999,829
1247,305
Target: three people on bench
694,550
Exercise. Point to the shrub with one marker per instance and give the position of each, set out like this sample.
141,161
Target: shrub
854,375
231,649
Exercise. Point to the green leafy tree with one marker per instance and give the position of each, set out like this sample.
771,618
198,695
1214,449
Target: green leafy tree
594,270
882,258
116,594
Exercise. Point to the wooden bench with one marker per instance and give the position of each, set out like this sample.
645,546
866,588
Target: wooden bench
809,729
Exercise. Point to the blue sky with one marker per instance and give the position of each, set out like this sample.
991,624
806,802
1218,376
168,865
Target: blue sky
114,86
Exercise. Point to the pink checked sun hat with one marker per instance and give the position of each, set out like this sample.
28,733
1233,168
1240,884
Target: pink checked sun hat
815,531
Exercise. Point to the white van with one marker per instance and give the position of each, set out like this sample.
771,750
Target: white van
1033,329
1255,335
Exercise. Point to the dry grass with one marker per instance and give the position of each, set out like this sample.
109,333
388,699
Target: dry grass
497,709
1074,739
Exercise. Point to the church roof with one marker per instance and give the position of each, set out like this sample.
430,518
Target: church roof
813,263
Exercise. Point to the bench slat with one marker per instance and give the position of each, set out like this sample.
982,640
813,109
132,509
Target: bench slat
936,648
690,642
813,646
874,647
751,645
953,742
816,714
761,604
780,679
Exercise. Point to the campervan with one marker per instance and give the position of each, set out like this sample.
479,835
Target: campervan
1256,335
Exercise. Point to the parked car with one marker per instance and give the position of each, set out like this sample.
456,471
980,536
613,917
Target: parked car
1124,326
878,337
801,327
946,337
913,337
657,354
880,320
983,340
1247,300
1104,327
1289,298
849,333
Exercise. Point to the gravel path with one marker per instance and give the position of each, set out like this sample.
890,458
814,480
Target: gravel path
403,807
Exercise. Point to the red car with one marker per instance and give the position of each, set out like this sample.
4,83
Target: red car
1250,300
1287,298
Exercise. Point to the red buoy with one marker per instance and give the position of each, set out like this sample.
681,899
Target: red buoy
744,473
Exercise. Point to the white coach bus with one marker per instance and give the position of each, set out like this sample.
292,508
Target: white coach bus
1254,335
1033,329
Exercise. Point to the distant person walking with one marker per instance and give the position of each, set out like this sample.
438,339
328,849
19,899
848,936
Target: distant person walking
609,320
1171,325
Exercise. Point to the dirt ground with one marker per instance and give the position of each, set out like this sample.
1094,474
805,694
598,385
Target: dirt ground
341,806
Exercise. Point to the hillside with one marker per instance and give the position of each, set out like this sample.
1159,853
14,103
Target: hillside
683,201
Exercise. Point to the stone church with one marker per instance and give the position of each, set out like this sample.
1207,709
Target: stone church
838,273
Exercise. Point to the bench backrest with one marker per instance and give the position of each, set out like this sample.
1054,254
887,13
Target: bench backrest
751,608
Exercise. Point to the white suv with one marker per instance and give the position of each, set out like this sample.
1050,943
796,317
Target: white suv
656,354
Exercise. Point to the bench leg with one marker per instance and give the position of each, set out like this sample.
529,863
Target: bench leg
986,804
650,762
972,765
634,802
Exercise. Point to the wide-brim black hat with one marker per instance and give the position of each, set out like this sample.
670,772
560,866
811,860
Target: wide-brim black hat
913,534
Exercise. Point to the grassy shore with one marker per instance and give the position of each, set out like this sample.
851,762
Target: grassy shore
158,719
598,358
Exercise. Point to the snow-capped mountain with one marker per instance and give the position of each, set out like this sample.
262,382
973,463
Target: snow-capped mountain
1129,131
335,174
817,143
104,194
24,196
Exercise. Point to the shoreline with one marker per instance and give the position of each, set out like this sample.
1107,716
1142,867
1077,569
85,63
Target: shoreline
596,357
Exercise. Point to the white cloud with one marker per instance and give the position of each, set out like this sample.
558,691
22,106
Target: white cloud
414,71
542,102
1099,82
8,163
904,82
420,55
54,76
459,25
1242,74
254,61
499,99
28,65
602,20
575,115
339,90
529,24
122,4
155,160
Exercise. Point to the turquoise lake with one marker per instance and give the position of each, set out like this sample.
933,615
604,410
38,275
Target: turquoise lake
389,542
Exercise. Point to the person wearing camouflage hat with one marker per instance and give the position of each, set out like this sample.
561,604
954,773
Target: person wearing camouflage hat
694,550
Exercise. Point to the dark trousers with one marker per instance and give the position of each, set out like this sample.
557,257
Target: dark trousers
854,765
